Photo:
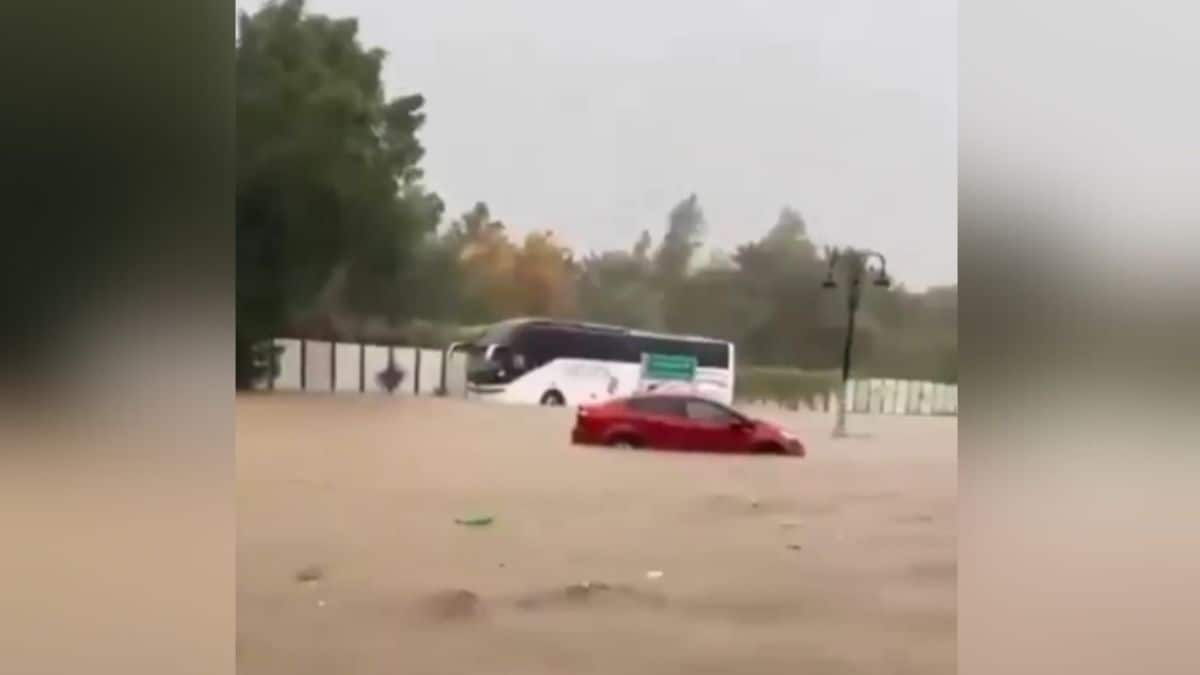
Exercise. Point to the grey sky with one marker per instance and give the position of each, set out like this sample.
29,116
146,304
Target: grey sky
594,118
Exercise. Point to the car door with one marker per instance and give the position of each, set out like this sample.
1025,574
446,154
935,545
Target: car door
661,421
712,427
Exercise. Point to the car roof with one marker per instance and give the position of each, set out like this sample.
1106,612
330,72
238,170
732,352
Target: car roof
667,394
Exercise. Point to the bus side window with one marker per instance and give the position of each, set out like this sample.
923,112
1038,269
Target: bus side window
627,351
713,354
540,346
600,346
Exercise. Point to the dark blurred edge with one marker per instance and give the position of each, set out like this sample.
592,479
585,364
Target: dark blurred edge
1079,322
116,369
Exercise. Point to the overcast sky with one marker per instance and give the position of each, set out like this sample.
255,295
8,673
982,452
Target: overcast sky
594,118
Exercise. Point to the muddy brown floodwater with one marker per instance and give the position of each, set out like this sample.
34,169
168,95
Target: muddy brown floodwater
350,560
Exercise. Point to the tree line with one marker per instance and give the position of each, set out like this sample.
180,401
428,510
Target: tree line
338,236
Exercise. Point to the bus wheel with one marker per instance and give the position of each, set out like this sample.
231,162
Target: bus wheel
554,398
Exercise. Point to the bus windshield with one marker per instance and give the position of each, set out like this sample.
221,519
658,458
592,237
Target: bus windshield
494,364
490,358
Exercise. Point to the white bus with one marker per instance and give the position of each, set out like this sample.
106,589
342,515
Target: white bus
569,363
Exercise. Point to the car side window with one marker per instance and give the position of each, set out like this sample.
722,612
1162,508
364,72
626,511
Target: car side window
703,411
659,405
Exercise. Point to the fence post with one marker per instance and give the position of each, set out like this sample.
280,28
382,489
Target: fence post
333,366
443,385
271,366
303,365
391,363
362,368
417,372
442,389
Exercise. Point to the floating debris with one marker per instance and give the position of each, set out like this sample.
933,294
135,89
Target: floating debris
475,521
310,575
585,589
453,604
587,593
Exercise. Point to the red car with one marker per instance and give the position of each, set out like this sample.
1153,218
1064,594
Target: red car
679,423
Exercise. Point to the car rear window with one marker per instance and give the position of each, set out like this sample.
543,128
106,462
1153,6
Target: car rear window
658,405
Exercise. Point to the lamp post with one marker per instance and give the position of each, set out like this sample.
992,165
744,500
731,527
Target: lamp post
854,263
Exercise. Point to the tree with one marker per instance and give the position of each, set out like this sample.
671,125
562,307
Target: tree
545,277
327,176
500,279
617,287
918,331
437,272
641,250
789,227
487,261
684,228
472,224
716,302
782,270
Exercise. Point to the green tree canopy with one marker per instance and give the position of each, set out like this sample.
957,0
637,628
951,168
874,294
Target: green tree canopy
685,226
328,185
617,287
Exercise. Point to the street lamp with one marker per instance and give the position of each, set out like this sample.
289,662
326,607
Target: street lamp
854,262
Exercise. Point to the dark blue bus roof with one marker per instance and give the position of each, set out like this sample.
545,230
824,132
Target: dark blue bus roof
502,331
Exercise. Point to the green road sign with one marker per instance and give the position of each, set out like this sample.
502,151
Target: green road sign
668,367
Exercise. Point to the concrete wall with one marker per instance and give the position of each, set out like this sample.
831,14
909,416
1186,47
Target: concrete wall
376,360
456,375
318,371
347,367
288,378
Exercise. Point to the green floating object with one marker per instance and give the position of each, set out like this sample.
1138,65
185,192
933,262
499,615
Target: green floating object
474,521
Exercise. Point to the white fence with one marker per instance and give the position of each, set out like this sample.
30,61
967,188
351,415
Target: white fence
901,397
313,365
